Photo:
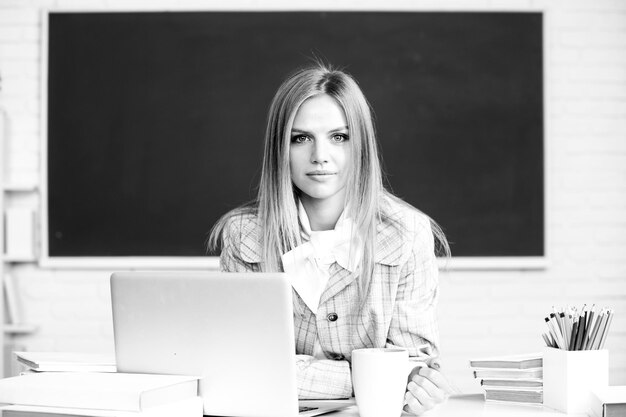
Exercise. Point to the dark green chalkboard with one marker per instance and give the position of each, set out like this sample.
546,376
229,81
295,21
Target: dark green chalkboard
156,120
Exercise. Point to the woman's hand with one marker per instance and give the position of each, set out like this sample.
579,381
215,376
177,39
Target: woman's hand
427,387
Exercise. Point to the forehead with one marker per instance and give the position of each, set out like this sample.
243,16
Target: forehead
320,111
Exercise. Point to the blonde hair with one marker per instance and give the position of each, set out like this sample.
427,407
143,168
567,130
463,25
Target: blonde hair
276,202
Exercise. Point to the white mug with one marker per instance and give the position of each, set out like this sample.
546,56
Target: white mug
379,379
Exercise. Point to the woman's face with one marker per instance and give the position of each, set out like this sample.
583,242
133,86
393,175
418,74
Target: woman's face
319,154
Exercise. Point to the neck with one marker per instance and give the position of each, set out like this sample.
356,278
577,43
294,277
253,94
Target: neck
323,214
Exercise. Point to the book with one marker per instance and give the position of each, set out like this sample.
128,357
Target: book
527,396
190,407
513,383
95,390
490,373
608,401
19,232
11,300
67,361
525,361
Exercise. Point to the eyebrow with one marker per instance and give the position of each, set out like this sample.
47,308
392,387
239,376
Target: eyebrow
296,130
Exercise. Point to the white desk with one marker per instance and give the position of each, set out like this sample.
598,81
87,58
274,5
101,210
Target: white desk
475,406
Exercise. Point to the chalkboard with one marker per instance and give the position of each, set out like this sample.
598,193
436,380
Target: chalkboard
155,120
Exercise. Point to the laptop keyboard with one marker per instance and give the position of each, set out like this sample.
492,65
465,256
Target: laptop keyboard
305,409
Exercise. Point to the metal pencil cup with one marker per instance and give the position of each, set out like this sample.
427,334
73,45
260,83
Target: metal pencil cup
569,377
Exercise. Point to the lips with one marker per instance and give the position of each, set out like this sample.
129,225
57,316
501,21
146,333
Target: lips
321,176
320,173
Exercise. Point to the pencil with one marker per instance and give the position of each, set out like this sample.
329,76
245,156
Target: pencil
557,330
588,329
594,332
583,336
580,331
553,341
606,328
591,310
568,330
601,324
572,343
551,331
564,330
558,320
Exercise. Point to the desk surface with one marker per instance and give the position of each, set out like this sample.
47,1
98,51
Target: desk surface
475,406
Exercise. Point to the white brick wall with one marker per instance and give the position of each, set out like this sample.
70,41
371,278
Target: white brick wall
481,312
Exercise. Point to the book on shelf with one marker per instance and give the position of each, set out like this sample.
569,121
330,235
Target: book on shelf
513,383
95,390
190,407
67,361
524,361
608,401
491,373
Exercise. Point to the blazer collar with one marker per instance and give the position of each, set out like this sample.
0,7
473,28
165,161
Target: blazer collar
388,242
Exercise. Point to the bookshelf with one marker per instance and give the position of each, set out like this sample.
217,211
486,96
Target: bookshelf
13,195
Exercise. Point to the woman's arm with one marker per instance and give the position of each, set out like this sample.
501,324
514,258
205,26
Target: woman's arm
414,323
231,262
322,379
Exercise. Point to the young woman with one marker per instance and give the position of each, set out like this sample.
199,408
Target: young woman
362,262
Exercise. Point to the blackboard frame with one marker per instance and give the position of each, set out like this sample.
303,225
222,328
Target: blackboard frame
177,262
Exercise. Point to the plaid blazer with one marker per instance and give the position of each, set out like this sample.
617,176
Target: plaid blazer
399,309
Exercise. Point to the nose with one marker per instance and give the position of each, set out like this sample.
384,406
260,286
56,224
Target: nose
320,152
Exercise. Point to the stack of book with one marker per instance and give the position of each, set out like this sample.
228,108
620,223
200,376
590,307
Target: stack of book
66,362
97,394
608,401
511,379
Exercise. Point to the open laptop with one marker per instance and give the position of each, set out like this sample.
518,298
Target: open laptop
233,329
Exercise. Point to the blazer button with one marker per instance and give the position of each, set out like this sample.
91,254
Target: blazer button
332,317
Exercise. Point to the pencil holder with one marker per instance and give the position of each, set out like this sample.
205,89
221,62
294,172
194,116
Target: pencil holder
569,377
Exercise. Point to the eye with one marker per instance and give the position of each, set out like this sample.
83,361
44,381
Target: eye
339,137
300,139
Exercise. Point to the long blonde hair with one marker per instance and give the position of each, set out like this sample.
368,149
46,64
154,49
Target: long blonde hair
276,202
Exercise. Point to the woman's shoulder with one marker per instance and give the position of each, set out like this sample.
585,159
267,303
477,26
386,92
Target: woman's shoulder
241,218
400,229
242,232
241,223
403,217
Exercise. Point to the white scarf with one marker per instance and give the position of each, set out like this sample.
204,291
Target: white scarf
308,265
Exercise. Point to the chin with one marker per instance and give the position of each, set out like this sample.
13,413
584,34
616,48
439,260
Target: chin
320,193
